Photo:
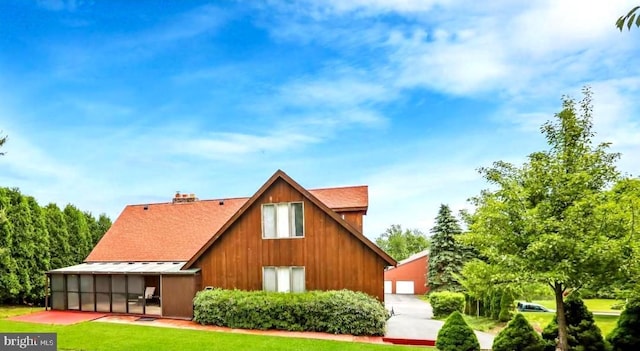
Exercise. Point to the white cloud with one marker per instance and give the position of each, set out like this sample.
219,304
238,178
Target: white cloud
235,146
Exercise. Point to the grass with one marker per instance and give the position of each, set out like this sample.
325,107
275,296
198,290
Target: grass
594,305
483,324
97,336
539,320
10,311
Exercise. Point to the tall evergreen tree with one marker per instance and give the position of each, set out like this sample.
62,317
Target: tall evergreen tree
446,255
93,227
79,235
23,248
41,255
9,283
104,223
60,251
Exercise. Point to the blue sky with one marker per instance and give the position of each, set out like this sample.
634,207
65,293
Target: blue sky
108,103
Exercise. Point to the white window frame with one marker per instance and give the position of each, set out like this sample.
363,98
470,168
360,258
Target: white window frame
291,221
290,268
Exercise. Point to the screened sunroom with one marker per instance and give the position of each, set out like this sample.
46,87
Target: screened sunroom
141,288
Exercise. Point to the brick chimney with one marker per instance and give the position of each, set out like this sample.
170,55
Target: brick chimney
182,198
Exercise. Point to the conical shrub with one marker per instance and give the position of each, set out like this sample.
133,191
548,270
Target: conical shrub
583,333
518,336
626,335
456,335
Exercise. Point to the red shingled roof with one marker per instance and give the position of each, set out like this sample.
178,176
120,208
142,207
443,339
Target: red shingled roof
175,232
345,198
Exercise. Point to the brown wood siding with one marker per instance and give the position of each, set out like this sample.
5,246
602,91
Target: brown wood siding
354,218
333,258
178,292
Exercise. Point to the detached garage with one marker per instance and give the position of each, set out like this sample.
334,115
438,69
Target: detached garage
409,276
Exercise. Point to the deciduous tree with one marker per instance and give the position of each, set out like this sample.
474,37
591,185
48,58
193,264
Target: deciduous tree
539,224
400,243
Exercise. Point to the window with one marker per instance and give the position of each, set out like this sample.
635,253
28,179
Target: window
283,220
283,279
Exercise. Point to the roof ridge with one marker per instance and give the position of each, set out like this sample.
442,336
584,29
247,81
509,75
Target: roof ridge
340,187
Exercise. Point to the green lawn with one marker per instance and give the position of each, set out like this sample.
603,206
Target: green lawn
540,320
482,323
95,336
594,305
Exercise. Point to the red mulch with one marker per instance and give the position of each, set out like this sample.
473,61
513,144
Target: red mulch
57,317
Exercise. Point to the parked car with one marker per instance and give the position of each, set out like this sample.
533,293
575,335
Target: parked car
532,307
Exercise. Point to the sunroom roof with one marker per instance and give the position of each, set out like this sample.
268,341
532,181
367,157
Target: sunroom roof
127,267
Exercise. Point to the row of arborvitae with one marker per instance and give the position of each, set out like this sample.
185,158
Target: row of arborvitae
498,305
336,312
584,335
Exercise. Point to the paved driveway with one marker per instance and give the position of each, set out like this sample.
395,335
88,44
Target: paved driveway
412,320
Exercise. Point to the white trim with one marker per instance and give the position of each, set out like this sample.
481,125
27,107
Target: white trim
290,268
291,221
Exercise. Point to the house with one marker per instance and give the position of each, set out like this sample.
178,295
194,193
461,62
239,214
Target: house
284,238
409,276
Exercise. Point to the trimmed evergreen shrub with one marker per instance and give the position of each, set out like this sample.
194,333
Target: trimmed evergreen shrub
337,312
626,335
446,302
456,335
583,333
506,307
518,336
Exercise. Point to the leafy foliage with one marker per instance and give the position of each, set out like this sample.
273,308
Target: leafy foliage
506,306
628,19
446,256
626,335
3,139
338,312
33,240
400,244
541,224
446,302
519,335
456,335
583,333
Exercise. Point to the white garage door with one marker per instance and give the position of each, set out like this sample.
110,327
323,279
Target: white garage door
387,286
404,287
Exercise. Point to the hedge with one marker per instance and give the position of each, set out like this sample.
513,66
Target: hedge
446,302
336,312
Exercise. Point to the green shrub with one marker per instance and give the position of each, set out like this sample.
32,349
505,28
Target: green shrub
506,307
446,302
337,312
518,336
626,335
456,335
583,333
